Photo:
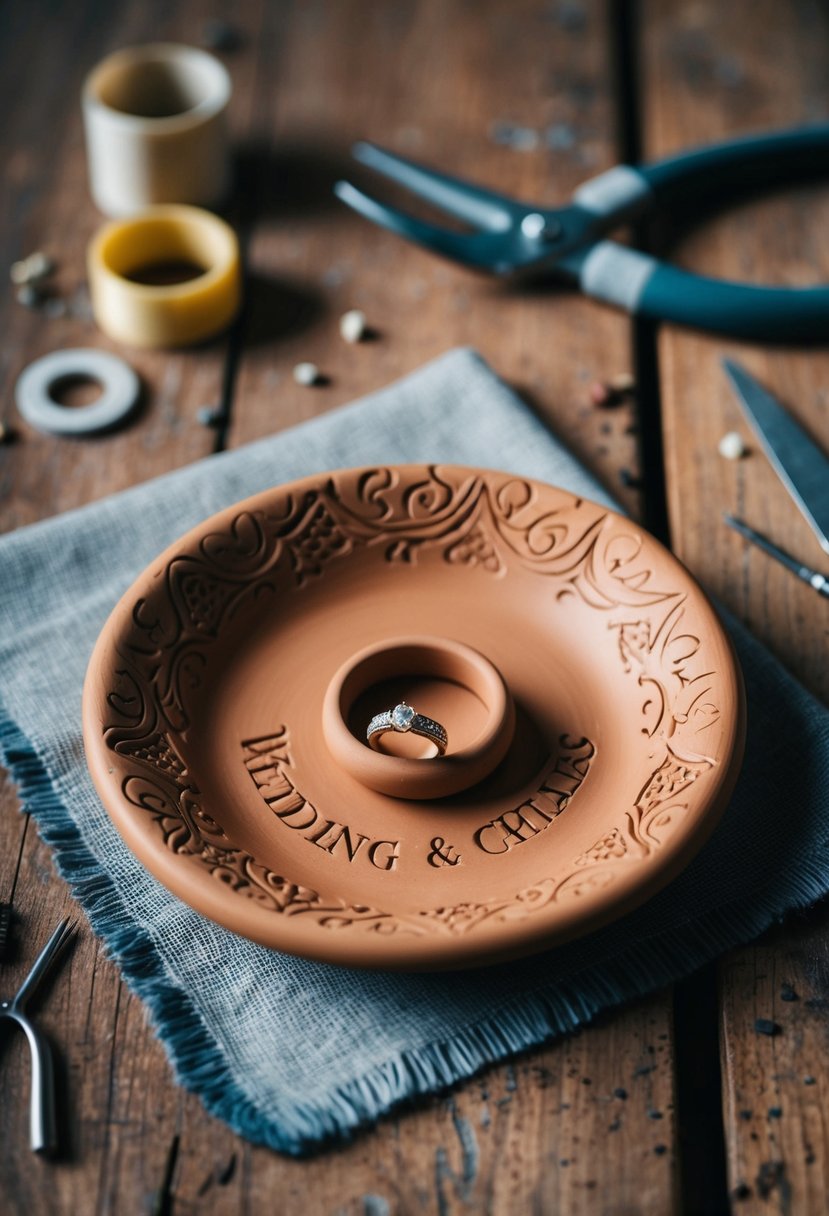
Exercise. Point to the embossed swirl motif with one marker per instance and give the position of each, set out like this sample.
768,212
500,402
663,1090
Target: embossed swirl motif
487,522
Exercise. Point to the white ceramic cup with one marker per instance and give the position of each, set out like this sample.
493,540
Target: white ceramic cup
155,121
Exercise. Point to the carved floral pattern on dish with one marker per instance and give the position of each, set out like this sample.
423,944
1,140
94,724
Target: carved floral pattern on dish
485,522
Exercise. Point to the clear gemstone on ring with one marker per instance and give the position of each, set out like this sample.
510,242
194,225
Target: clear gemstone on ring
402,716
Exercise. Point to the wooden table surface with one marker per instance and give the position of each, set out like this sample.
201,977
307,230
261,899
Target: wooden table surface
532,96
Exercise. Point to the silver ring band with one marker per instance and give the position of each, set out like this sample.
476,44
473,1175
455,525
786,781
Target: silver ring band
404,719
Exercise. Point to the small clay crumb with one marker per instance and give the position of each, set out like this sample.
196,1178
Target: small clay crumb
622,384
655,1114
741,1191
620,1092
615,1125
353,326
29,296
209,415
511,135
731,446
610,393
745,1115
630,480
33,269
561,136
767,1026
32,295
787,993
565,1161
810,1080
221,36
54,307
599,393
775,1112
307,374
586,1081
660,1149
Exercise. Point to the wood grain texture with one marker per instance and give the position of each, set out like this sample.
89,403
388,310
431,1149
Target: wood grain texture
481,95
711,71
583,1126
548,75
46,206
442,81
777,1085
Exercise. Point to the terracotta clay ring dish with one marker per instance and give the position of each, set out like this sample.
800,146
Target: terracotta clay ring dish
409,774
226,737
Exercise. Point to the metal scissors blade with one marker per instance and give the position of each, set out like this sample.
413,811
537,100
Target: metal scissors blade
800,464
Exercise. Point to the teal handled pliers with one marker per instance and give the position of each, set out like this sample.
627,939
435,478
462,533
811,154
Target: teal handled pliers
506,237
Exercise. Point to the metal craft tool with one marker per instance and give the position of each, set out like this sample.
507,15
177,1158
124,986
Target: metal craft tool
508,237
798,462
796,458
42,1122
814,578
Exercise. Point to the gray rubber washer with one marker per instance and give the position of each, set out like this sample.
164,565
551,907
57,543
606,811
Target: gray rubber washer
120,384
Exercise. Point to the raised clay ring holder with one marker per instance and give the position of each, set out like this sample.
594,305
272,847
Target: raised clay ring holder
462,690
227,702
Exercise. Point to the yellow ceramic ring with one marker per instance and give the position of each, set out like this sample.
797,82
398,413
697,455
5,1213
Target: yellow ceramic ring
145,314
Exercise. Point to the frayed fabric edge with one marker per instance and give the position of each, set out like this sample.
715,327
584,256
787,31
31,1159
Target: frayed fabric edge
196,1056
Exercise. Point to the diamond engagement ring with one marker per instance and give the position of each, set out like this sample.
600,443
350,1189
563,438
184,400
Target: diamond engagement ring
405,719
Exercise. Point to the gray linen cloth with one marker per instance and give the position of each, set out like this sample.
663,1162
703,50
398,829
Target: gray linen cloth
291,1052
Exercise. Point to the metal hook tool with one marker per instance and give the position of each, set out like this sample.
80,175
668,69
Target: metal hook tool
42,1122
